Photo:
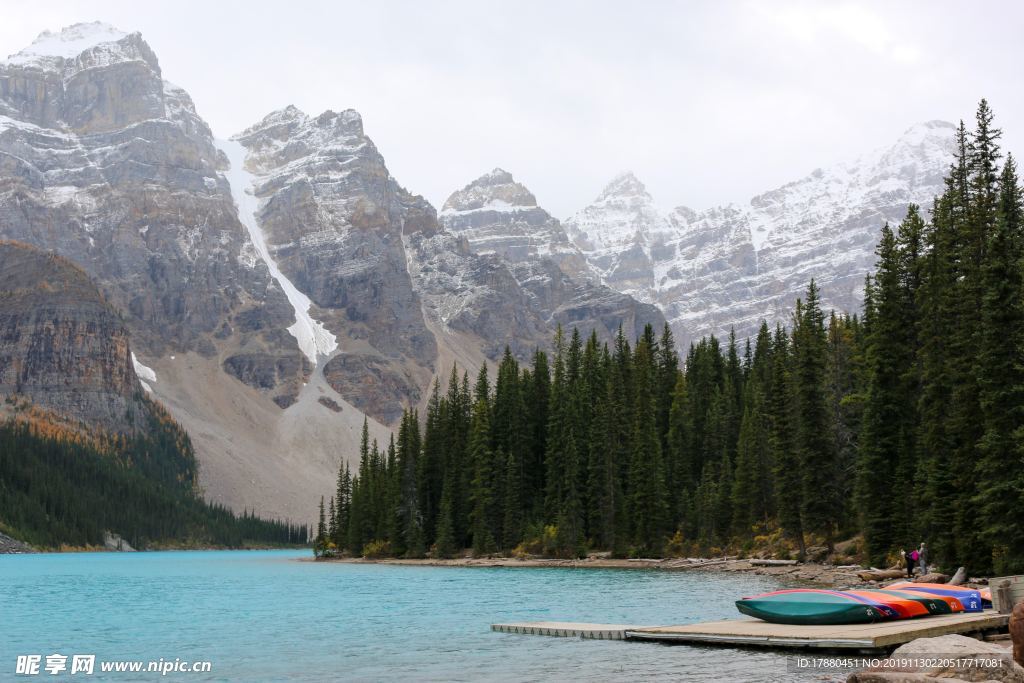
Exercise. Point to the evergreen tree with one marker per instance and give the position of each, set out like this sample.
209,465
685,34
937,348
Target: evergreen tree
648,498
887,418
481,495
782,440
817,456
321,531
432,463
1000,369
538,393
446,545
332,522
679,465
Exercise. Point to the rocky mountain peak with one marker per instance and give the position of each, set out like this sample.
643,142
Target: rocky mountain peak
924,144
86,79
494,191
935,129
499,216
626,184
281,124
621,233
83,45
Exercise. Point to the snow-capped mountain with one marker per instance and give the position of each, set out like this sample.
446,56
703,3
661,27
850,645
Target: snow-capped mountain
622,233
504,233
279,286
107,164
733,266
498,215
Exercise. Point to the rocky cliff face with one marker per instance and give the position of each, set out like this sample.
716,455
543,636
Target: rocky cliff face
334,219
62,347
522,273
104,162
732,266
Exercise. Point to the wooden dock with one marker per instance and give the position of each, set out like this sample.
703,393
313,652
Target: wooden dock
865,638
564,629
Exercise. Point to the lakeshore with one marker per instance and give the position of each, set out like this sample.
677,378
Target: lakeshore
844,576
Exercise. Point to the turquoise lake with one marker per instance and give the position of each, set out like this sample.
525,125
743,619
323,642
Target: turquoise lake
265,616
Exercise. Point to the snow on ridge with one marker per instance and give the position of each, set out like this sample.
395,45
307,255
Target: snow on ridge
313,338
492,204
68,43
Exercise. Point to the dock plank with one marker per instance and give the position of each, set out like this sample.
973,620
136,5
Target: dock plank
880,636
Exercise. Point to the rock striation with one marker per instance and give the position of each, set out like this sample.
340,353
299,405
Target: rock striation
498,215
62,347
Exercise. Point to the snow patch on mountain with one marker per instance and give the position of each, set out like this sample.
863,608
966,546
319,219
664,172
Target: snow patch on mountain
145,374
312,336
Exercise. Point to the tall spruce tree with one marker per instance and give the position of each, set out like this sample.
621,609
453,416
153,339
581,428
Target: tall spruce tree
816,452
648,498
481,495
1000,368
783,443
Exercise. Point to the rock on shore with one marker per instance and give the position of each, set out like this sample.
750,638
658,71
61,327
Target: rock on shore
9,546
969,661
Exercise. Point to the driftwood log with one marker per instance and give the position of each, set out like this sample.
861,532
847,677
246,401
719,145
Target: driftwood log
773,563
881,574
933,577
1017,632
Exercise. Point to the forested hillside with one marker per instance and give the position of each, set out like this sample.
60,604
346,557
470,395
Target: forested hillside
60,487
901,423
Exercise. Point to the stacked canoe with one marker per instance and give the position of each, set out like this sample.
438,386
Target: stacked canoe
898,601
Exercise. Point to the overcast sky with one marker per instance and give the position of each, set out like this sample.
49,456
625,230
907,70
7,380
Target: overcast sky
706,102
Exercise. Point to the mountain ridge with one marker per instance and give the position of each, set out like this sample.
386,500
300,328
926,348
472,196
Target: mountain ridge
730,266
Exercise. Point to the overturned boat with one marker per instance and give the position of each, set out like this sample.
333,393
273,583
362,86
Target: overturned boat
814,607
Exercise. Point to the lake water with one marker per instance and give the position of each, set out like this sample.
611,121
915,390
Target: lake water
264,616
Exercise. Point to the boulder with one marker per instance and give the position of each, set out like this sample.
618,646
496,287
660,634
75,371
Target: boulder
1017,632
816,553
952,647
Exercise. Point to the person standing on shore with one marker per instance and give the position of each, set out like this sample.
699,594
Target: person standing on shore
922,558
910,558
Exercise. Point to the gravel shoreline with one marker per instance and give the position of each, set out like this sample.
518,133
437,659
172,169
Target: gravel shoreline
821,574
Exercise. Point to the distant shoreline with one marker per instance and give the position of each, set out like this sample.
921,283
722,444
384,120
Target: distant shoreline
10,546
807,572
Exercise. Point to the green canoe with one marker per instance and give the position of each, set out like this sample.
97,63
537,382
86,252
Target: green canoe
810,608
